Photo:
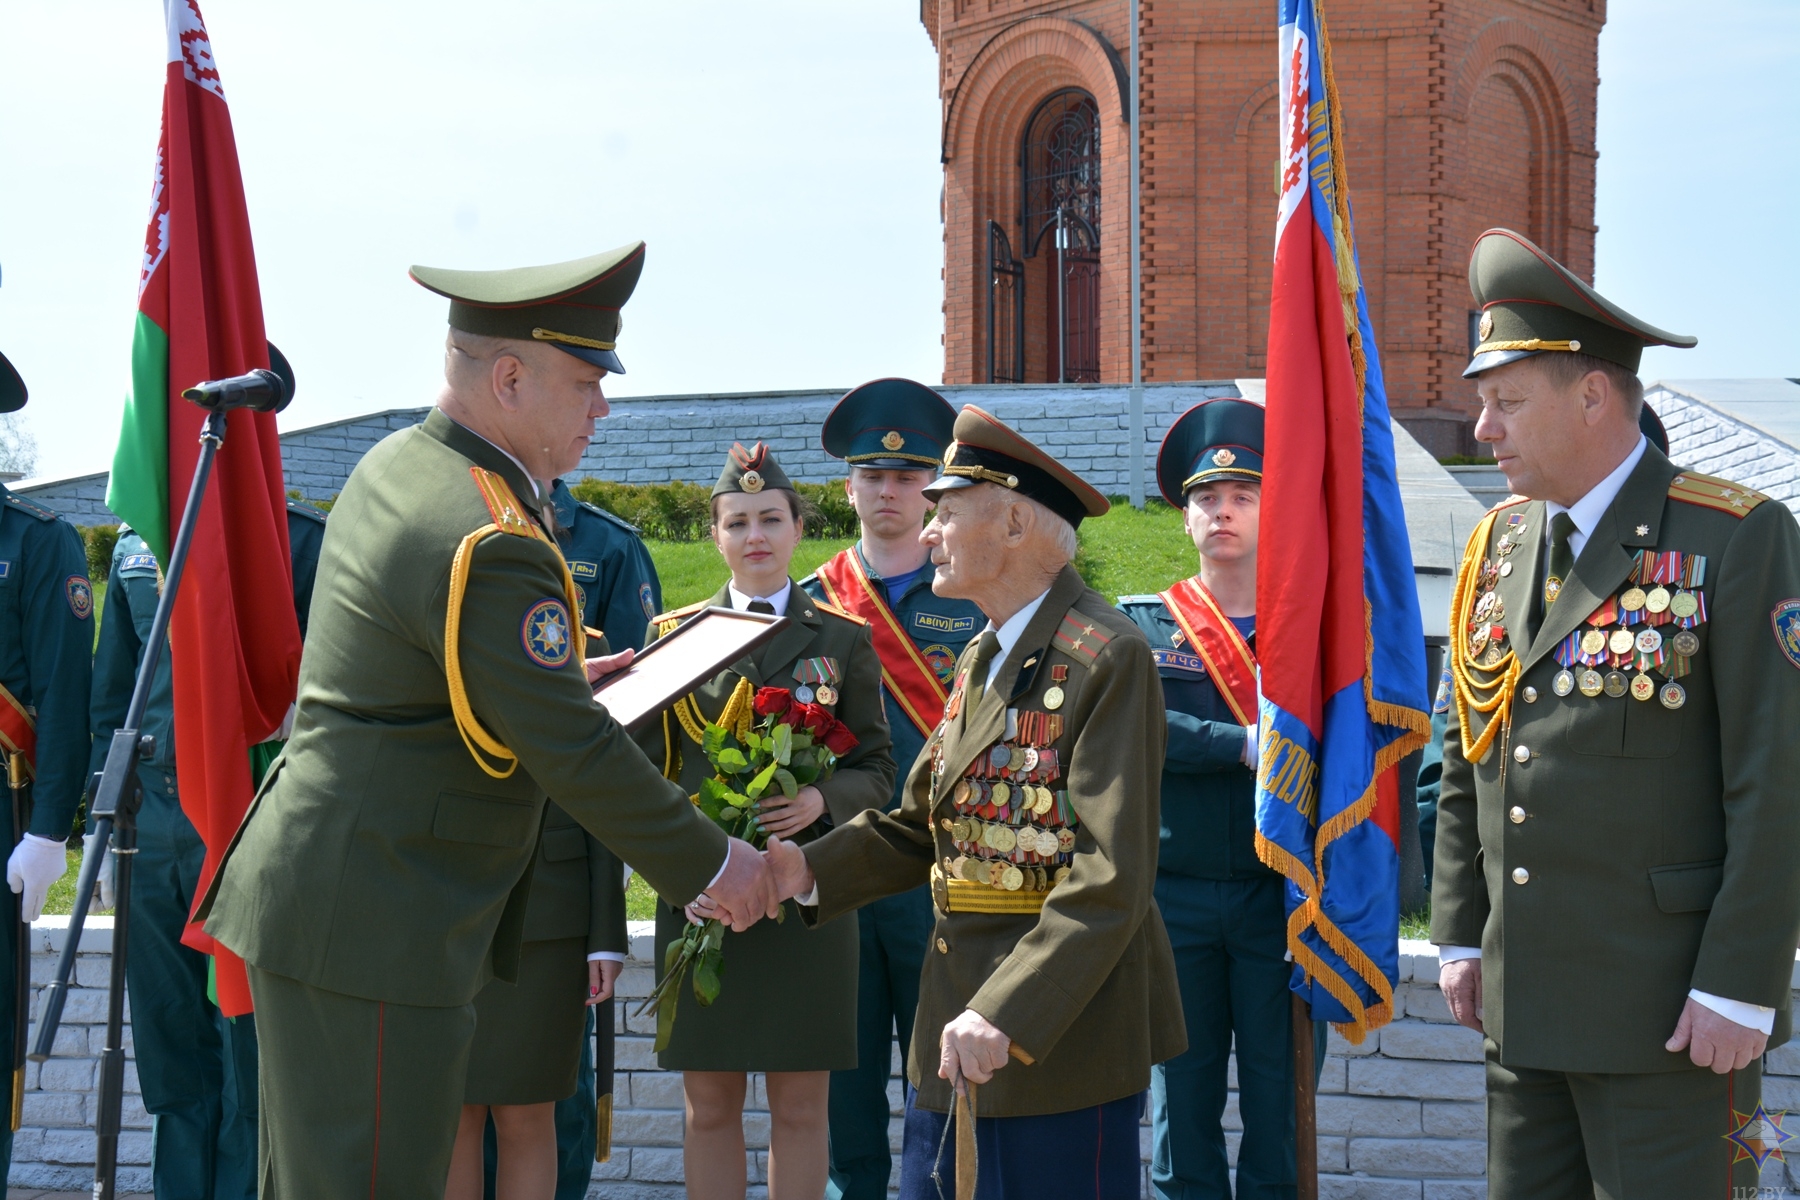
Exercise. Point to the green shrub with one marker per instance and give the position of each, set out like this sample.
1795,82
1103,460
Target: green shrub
99,541
682,512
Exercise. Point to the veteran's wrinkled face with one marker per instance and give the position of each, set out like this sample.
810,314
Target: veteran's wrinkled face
1543,434
1222,518
968,537
889,502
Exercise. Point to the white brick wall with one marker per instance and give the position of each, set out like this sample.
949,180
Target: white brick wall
1400,1117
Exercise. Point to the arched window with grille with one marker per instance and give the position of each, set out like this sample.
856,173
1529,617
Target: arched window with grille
1060,219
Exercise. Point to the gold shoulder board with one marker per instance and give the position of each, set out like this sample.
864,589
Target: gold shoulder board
1080,638
1509,502
835,611
1709,491
509,514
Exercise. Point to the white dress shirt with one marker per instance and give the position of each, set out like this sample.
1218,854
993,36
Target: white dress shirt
741,600
1008,636
1586,513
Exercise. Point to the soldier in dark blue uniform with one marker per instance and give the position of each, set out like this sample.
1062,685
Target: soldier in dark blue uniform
1224,909
46,630
892,433
196,1067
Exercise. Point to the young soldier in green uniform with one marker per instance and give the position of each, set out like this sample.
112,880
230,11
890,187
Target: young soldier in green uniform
46,633
1615,896
577,888
788,1008
196,1067
1224,909
892,432
380,877
1032,811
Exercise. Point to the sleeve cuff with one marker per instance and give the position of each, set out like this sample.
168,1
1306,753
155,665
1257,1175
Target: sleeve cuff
606,956
1450,954
1751,1016
808,898
720,873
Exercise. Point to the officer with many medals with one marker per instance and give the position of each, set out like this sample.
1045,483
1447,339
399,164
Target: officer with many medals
46,633
1225,911
892,433
196,1067
1032,811
1614,898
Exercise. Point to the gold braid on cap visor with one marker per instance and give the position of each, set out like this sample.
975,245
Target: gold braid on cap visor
550,335
1528,344
984,475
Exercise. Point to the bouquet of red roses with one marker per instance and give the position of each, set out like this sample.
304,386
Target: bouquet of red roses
778,745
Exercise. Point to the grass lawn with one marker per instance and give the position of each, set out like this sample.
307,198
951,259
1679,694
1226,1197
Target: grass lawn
61,900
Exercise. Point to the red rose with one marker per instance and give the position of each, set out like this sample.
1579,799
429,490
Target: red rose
838,739
814,719
772,702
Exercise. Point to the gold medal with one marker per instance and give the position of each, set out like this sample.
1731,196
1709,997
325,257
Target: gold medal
827,694
1685,642
1658,599
1684,605
1065,841
1043,799
1002,794
1015,759
1564,683
1062,875
961,794
1002,838
1673,695
1632,599
1011,878
1621,641
974,870
1616,684
1590,682
996,871
1053,699
1642,687
1478,640
1593,642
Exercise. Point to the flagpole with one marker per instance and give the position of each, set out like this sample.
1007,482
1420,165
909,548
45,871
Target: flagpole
1306,1117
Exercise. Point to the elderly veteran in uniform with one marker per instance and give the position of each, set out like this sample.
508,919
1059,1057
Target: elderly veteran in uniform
46,638
1033,812
380,877
1615,896
1224,909
891,433
788,1005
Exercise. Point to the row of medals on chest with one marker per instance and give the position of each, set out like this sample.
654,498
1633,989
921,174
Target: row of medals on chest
1004,806
1638,611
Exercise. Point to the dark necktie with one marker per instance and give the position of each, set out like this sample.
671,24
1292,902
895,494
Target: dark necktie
985,648
761,606
1562,557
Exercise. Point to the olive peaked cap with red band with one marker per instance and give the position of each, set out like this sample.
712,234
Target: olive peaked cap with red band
988,451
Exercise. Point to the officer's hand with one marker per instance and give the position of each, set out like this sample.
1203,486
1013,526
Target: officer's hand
104,884
971,1048
1460,981
1716,1041
744,893
36,863
793,877
784,818
611,664
602,974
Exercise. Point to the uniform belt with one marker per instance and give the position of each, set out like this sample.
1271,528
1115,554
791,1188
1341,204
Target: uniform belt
960,895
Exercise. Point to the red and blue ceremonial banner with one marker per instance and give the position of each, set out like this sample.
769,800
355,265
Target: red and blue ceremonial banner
1339,640
234,642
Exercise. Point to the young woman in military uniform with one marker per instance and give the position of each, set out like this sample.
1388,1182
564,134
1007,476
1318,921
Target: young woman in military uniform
788,1006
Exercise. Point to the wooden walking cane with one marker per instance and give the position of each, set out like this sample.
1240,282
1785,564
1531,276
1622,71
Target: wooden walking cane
1306,1118
604,1067
15,778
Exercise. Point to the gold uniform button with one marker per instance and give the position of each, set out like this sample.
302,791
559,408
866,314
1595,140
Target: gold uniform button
1521,875
943,946
1521,753
1517,815
1531,695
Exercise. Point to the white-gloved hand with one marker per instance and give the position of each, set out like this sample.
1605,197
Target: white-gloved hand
36,863
104,889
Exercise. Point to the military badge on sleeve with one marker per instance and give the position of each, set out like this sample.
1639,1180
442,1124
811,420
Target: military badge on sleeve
1786,620
545,634
644,599
81,597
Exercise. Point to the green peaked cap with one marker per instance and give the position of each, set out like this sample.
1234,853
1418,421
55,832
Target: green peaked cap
573,306
12,387
751,471
1530,304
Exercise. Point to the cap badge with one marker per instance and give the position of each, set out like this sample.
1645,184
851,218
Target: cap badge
893,440
1223,457
751,481
1486,328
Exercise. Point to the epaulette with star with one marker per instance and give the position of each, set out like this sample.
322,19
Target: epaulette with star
32,507
508,511
838,612
1709,491
1081,639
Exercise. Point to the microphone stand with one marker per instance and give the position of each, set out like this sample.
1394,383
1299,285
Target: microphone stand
115,801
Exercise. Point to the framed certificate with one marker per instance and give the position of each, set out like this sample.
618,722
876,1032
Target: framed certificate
673,665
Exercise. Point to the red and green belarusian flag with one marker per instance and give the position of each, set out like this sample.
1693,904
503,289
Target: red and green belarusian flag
234,640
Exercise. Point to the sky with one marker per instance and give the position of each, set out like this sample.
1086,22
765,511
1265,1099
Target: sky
780,159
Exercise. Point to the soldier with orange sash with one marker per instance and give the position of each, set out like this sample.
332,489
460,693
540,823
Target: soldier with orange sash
1223,907
892,433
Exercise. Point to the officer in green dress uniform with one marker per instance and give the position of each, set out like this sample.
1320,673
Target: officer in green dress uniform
46,631
788,1007
196,1067
1614,898
577,885
1032,811
891,432
1224,909
380,877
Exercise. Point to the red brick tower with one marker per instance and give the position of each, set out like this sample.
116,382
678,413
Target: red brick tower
1462,114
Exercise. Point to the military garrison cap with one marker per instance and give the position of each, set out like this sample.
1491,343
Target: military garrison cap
1215,439
987,451
1530,303
889,423
574,306
12,387
751,471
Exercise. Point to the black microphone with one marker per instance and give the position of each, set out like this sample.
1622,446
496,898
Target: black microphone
259,391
